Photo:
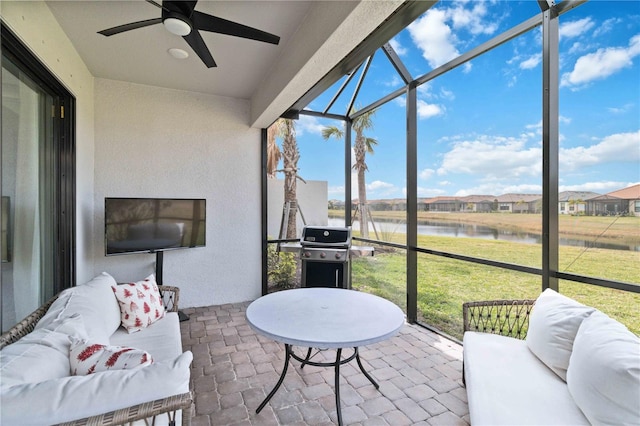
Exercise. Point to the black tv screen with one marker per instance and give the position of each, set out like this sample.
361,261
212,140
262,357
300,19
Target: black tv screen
148,225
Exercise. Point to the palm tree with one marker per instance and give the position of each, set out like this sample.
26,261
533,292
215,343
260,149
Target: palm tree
273,151
361,146
290,155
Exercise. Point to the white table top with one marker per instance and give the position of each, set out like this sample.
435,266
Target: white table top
325,317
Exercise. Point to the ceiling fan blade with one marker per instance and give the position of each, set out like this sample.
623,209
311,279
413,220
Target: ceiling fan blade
156,4
197,44
128,27
205,22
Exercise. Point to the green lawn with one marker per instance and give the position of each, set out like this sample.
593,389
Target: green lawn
444,284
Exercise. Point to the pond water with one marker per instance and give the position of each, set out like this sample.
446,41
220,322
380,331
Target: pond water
467,230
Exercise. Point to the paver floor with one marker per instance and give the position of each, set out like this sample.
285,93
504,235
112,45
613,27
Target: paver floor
419,372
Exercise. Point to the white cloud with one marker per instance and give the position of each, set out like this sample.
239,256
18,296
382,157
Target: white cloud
472,19
531,62
599,187
601,63
433,36
606,26
620,110
426,174
378,189
575,28
498,188
395,81
447,94
619,147
493,158
400,49
426,192
426,110
308,124
378,185
336,190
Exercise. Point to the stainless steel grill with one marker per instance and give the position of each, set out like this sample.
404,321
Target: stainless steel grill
325,256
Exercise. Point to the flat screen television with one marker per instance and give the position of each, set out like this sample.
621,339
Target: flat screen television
150,225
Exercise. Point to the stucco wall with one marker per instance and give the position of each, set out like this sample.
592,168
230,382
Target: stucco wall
34,24
154,142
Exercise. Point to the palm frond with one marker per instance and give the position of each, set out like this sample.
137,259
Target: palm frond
332,131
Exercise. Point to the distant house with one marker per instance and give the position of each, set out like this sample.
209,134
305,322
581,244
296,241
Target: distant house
519,203
574,202
620,202
478,203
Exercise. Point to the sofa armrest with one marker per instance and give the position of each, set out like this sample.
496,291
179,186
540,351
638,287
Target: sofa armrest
168,406
25,326
170,297
504,317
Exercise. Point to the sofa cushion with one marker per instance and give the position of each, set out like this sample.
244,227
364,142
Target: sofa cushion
40,355
553,325
75,397
140,303
94,301
604,372
87,357
161,339
508,385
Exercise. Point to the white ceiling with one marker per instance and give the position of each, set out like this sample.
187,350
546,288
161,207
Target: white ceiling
140,56
315,37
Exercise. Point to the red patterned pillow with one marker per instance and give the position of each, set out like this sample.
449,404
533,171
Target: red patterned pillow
140,304
88,358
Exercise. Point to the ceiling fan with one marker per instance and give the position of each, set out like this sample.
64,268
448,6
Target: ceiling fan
180,18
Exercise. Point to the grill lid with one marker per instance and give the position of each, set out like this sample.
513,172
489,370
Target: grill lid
325,236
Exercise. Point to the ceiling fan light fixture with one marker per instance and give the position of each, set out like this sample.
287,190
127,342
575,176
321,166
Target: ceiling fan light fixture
177,26
178,53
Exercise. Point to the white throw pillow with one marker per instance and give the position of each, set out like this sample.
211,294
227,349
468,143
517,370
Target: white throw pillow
94,301
604,372
140,303
553,325
76,397
40,355
87,357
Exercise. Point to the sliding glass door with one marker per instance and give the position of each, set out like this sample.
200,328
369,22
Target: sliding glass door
36,240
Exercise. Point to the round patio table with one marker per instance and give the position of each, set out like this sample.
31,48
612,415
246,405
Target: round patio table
324,318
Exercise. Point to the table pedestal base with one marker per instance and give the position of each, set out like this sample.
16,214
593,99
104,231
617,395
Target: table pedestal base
336,365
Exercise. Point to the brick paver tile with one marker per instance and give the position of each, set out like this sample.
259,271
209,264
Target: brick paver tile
231,400
453,404
317,391
230,415
391,391
447,419
411,409
351,415
288,415
443,385
420,392
385,373
313,413
397,418
207,402
377,406
375,421
432,406
245,370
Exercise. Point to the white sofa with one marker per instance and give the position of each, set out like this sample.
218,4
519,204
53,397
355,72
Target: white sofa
37,386
577,366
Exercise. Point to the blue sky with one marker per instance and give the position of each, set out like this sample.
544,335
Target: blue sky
479,126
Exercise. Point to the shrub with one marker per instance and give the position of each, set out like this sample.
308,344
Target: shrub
281,268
